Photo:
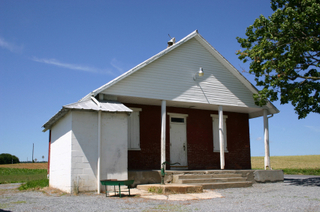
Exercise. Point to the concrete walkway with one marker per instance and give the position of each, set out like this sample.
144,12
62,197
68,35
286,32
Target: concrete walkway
207,194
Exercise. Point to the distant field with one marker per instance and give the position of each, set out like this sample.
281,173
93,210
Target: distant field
277,162
26,166
288,162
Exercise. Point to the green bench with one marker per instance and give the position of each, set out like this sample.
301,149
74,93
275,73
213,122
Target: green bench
114,183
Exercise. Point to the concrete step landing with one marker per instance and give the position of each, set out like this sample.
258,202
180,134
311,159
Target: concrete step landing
216,180
224,185
171,188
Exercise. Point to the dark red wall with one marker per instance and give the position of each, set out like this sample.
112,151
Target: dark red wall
49,152
199,140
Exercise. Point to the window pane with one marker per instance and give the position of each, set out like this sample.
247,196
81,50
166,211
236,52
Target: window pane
178,120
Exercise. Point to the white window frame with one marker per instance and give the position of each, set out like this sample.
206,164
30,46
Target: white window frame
134,129
215,131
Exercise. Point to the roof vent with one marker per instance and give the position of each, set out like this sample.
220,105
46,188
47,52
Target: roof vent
171,42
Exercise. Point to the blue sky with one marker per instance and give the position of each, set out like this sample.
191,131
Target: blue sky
53,53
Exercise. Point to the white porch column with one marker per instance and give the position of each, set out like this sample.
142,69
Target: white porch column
163,132
266,141
221,137
99,151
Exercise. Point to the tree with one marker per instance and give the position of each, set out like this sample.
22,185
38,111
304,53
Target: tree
6,158
284,51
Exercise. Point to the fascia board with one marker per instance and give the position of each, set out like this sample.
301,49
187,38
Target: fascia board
55,118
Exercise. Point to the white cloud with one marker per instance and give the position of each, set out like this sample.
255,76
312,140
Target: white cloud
259,139
10,46
314,128
116,64
73,66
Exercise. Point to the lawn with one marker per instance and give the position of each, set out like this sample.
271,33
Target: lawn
32,174
304,164
15,175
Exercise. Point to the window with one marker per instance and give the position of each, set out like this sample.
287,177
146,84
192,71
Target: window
134,129
215,130
177,120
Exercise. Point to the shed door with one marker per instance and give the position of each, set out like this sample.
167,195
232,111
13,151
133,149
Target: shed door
178,142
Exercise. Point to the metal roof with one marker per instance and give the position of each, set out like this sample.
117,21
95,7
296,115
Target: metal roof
105,106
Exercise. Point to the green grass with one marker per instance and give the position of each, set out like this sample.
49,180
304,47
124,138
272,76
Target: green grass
302,171
301,164
35,184
32,178
11,175
155,190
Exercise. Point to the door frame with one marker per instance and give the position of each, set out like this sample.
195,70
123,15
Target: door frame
184,116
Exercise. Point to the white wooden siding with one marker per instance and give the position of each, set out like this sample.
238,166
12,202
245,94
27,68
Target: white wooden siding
171,78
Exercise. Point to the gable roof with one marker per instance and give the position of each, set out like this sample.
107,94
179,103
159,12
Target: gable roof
194,35
141,65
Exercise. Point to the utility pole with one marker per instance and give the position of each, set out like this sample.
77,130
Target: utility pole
32,152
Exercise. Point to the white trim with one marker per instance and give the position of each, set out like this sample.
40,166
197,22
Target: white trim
135,109
134,149
184,116
178,115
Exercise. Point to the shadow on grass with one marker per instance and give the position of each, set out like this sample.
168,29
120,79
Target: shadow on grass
313,181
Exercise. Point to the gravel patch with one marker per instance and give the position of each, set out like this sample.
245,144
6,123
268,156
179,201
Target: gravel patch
291,195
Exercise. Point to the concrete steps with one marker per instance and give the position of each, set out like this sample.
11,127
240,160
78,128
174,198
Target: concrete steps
222,185
213,180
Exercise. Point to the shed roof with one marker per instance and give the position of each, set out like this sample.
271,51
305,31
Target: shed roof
106,106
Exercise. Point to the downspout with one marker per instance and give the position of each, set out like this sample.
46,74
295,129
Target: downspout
99,142
270,116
